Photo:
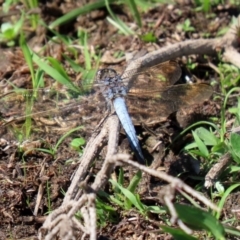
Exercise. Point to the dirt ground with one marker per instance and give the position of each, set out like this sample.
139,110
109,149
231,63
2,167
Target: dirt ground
24,169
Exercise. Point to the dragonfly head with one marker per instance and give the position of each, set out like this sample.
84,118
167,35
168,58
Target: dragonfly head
105,75
110,83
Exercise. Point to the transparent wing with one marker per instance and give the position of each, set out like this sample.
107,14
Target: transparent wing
48,111
153,95
161,75
148,110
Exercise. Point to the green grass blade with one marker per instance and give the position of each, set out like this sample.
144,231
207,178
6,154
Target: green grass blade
65,39
178,234
86,52
39,78
133,7
73,65
66,135
121,176
133,185
117,22
27,127
55,74
135,181
223,109
77,12
231,230
28,57
208,137
88,77
18,25
235,145
130,196
201,146
83,37
199,219
58,67
193,126
224,198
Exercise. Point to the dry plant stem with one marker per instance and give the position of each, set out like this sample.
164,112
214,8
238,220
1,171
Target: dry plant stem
53,224
66,229
112,126
227,44
107,168
69,208
174,182
40,191
92,216
89,212
217,169
231,55
95,143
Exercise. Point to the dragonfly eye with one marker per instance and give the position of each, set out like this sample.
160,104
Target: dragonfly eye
105,74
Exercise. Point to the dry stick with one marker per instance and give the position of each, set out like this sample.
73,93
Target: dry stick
40,191
112,126
103,175
217,169
201,46
175,182
106,170
75,190
92,215
52,226
231,55
53,222
95,143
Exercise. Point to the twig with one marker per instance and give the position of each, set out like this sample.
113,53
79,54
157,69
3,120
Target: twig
226,44
40,190
217,169
175,182
94,146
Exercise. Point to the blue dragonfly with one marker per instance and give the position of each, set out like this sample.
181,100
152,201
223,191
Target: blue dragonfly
152,96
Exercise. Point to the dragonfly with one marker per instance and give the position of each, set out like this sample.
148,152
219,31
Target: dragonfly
150,97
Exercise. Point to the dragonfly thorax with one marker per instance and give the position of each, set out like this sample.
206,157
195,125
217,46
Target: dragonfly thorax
111,84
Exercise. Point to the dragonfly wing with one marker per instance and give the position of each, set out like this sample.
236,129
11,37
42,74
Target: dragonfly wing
122,112
50,112
161,75
153,105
